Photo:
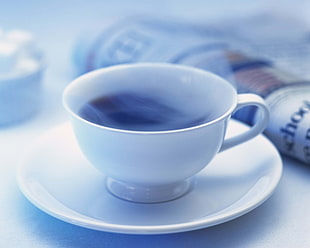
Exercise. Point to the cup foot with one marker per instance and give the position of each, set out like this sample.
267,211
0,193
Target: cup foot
147,194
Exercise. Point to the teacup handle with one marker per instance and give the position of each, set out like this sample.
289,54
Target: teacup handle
243,101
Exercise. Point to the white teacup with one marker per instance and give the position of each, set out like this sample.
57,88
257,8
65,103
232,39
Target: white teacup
157,165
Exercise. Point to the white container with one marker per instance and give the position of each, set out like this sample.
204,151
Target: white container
21,72
155,165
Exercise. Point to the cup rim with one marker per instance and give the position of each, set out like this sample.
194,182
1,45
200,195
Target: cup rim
146,64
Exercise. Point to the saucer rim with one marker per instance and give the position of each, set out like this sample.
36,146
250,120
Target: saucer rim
99,225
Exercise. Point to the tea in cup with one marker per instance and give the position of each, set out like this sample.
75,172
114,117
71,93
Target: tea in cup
151,127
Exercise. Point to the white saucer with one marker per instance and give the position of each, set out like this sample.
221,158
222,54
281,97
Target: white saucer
56,177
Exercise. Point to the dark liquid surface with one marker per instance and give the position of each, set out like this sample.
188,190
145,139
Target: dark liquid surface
131,111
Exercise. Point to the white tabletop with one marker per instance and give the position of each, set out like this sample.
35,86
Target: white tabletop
282,221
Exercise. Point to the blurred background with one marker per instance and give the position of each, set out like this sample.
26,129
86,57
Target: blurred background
57,25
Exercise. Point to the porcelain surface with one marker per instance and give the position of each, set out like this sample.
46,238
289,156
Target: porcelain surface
56,177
